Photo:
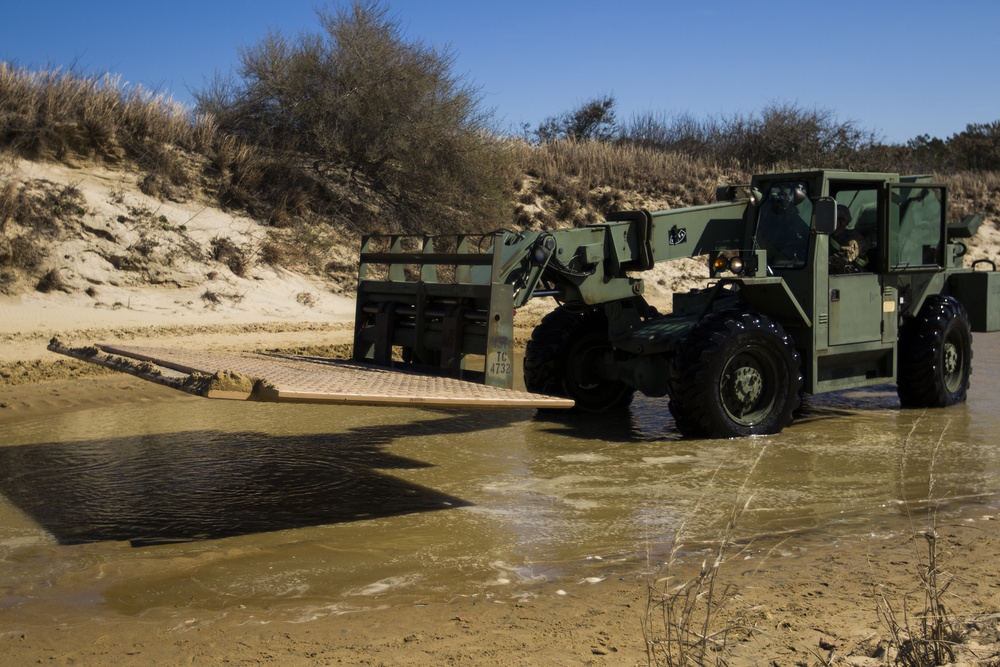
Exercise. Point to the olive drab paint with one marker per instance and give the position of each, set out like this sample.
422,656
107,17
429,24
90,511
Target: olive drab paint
837,264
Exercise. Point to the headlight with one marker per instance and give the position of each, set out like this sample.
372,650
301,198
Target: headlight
722,263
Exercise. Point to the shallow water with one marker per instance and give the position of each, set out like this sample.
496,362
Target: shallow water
295,512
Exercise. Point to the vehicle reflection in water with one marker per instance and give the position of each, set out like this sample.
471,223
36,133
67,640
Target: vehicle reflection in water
306,510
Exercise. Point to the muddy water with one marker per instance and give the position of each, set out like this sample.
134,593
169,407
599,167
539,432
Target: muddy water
295,512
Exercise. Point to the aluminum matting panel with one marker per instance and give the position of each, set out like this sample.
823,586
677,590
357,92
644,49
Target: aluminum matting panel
332,381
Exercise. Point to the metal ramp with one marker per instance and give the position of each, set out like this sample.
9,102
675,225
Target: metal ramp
291,379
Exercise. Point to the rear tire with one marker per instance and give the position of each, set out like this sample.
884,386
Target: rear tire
935,355
736,374
561,358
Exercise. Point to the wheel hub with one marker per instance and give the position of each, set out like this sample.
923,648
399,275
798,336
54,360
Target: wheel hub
950,358
747,386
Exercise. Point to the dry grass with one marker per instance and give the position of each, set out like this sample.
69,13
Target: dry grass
927,625
63,115
314,210
66,117
571,182
691,621
973,192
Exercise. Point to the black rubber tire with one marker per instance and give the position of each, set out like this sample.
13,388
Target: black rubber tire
559,361
736,374
935,355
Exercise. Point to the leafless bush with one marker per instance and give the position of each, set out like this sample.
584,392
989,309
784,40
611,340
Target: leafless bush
924,634
593,120
8,203
973,192
779,134
213,299
40,206
21,252
275,253
145,246
405,129
230,254
52,281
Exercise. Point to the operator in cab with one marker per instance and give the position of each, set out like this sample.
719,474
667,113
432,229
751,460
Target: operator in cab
848,248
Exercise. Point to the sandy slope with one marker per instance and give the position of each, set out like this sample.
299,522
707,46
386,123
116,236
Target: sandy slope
177,293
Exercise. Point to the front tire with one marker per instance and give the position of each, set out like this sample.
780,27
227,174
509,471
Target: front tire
736,374
935,355
564,356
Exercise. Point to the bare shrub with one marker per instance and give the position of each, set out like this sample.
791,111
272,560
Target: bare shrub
21,252
973,192
779,134
227,252
33,216
593,120
213,299
361,105
280,250
923,634
41,206
144,246
52,281
8,203
274,253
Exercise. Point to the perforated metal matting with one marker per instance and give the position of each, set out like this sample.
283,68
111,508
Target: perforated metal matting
315,380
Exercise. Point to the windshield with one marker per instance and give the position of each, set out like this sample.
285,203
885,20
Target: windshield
783,225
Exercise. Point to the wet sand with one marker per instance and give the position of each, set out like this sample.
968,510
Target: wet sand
794,584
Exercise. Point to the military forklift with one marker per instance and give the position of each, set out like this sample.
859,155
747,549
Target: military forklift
818,281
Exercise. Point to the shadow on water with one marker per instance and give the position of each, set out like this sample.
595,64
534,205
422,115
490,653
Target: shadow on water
200,485
619,426
645,420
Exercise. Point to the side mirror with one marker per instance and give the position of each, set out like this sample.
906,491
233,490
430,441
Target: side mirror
825,213
798,194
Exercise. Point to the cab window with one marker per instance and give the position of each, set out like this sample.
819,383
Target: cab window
916,227
858,203
783,225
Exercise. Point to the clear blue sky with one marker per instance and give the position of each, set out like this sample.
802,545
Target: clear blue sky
899,68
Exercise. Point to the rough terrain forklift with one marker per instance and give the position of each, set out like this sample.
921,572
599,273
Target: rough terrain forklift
819,281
